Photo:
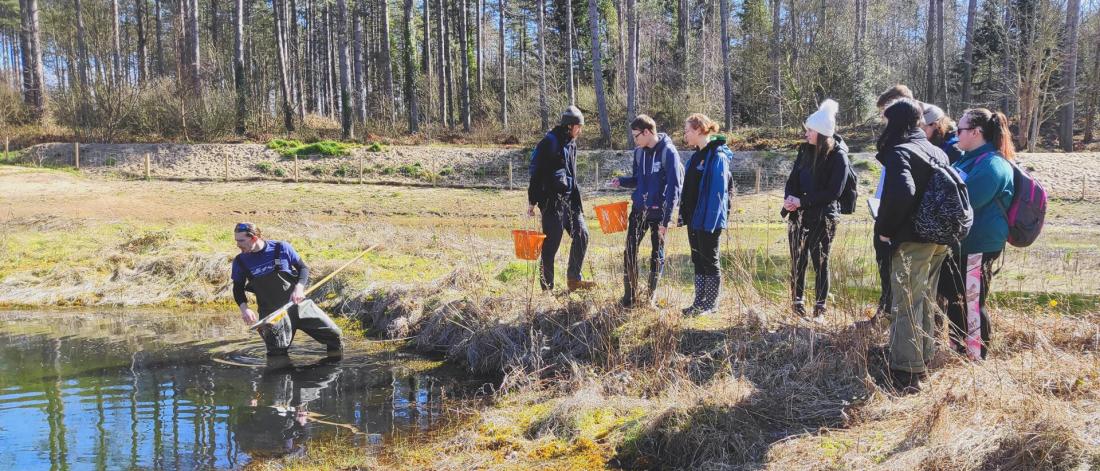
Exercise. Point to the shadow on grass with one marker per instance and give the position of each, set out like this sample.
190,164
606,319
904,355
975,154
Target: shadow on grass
763,388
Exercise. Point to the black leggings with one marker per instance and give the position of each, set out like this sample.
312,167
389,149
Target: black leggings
810,241
704,251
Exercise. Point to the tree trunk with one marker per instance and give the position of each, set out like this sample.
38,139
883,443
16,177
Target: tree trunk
346,130
1092,89
34,89
568,50
1065,135
238,68
288,113
968,53
681,45
503,67
116,47
193,49
859,48
620,44
215,40
930,51
632,69
480,10
444,116
448,59
358,70
941,57
142,53
727,86
597,74
331,59
387,61
157,32
410,68
427,60
465,52
544,110
295,62
777,79
82,50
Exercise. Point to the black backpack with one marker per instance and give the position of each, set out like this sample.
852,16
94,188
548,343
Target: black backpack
943,214
850,194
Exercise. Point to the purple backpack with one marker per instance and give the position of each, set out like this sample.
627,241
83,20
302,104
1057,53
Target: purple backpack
1028,209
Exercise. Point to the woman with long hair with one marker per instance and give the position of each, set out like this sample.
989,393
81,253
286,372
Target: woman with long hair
909,161
811,207
704,207
987,147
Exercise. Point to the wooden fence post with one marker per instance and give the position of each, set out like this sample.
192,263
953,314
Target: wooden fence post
295,168
360,169
6,142
510,173
76,155
227,167
148,170
759,174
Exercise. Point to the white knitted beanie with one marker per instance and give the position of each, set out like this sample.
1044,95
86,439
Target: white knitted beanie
824,119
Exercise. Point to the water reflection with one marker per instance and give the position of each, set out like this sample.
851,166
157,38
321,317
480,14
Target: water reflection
77,392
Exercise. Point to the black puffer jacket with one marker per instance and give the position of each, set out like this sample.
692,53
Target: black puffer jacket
907,176
818,188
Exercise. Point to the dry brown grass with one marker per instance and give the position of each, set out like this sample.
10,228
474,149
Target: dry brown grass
587,384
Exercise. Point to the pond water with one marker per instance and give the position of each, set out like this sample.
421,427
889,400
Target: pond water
115,390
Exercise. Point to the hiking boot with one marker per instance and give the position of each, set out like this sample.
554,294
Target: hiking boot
696,311
575,285
799,309
905,382
819,314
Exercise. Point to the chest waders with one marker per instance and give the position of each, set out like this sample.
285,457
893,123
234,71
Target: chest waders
272,291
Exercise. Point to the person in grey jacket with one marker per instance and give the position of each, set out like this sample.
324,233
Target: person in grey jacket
657,177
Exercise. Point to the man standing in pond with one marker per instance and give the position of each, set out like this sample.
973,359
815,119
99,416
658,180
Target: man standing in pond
657,178
553,189
274,272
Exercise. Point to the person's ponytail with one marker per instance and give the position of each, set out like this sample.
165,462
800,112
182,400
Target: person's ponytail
1003,141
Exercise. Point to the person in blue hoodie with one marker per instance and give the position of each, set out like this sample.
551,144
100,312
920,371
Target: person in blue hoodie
986,142
705,206
657,176
553,190
815,184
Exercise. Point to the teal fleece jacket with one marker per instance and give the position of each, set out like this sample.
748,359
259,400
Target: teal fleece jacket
988,179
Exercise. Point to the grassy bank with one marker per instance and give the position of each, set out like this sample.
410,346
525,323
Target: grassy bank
583,383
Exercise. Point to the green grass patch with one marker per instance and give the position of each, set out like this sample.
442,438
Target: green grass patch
328,148
515,271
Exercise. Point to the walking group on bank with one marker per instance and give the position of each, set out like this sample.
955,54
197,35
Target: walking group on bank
947,201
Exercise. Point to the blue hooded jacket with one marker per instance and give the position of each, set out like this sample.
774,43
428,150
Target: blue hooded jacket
711,207
657,178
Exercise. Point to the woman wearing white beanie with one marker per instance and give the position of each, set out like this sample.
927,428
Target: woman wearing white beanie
811,205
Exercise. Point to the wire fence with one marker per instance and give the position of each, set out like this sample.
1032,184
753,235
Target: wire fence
503,169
